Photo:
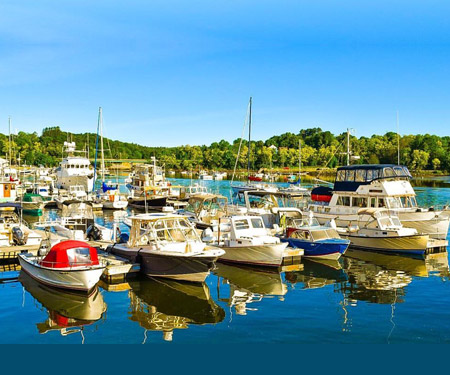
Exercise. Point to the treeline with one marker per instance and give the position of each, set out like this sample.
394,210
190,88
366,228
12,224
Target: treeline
318,148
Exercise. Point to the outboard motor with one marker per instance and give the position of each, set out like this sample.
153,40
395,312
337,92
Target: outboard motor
18,236
93,233
123,238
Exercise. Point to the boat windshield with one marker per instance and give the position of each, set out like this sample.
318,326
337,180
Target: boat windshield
366,174
169,230
302,222
323,234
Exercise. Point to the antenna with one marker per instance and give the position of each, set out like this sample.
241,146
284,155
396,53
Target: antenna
249,137
9,121
398,139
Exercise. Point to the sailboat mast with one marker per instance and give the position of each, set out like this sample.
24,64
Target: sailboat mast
101,142
249,137
398,139
348,146
299,159
10,154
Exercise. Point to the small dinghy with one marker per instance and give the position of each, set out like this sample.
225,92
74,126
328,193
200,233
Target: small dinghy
69,264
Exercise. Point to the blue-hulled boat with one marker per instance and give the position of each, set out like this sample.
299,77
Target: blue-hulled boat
317,241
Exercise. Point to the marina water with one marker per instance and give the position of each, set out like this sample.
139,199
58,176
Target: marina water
365,297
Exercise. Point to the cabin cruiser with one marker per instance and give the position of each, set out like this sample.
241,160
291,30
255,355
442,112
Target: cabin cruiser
204,210
74,170
72,265
168,246
317,241
266,204
148,187
384,186
186,192
380,230
13,231
246,240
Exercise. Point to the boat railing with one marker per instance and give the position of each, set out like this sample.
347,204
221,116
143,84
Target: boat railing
70,265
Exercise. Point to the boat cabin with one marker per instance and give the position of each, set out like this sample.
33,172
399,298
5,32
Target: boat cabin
350,177
70,254
367,186
164,232
247,227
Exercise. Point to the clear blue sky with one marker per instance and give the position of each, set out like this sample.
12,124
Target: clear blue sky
181,72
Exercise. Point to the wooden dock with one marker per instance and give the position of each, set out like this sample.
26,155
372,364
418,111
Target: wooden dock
11,252
436,246
117,269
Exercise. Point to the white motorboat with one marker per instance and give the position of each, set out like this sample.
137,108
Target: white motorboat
74,170
72,265
246,240
377,186
167,246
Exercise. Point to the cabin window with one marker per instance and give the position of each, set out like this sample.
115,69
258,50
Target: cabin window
384,222
360,175
381,202
394,202
343,201
241,224
340,176
301,235
399,171
388,172
257,223
359,202
79,255
372,174
350,175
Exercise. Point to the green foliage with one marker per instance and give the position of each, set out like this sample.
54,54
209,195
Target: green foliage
318,148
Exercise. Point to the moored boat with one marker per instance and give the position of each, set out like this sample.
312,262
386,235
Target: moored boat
316,240
246,240
167,246
72,265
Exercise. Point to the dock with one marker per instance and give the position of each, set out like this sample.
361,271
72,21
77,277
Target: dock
436,246
117,269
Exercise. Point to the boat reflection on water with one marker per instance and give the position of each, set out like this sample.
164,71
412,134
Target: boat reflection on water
166,305
67,312
381,278
317,273
250,284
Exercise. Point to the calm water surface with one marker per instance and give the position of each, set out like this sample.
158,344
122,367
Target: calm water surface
365,297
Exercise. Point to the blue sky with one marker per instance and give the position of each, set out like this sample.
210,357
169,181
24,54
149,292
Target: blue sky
181,72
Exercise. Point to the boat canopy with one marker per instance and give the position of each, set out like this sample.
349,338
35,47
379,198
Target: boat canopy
70,254
350,177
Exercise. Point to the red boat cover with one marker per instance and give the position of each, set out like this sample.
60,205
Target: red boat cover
254,178
70,254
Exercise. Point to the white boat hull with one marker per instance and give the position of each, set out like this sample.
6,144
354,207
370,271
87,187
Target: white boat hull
83,280
270,255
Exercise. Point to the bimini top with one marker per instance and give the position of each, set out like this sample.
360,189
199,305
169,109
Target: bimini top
350,177
71,254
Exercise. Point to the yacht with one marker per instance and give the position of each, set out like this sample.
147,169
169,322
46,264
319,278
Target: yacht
74,170
384,186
